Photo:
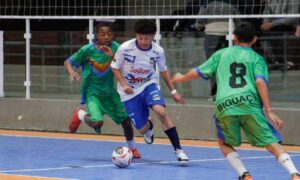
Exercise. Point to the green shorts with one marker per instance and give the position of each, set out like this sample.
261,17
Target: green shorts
256,127
111,105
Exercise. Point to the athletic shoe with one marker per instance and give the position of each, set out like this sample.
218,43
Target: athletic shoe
245,176
135,153
295,176
181,156
149,135
74,121
97,130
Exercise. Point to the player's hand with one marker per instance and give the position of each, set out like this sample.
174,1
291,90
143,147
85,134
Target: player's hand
276,120
128,89
266,26
74,76
107,50
176,78
178,98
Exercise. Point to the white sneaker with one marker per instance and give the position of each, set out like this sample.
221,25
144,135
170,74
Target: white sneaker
149,136
181,156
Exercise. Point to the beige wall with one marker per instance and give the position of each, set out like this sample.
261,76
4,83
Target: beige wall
193,121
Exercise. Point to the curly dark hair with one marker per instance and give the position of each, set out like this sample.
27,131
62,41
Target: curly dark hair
145,26
104,24
245,32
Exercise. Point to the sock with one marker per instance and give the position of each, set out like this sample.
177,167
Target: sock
127,129
286,161
236,163
173,136
81,114
131,144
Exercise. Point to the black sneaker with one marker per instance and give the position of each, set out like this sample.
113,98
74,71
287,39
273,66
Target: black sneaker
246,176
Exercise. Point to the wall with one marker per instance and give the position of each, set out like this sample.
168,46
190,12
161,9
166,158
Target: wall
193,121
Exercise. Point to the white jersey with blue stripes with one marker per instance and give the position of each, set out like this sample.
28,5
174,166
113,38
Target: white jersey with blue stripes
138,66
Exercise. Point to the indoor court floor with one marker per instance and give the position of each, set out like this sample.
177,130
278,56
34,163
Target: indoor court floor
26,155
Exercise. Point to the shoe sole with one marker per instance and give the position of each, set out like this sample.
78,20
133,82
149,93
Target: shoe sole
183,163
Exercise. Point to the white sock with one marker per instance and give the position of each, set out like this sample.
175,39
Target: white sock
286,161
131,144
236,163
81,114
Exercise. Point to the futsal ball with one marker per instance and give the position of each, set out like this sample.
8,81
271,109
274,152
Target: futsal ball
122,157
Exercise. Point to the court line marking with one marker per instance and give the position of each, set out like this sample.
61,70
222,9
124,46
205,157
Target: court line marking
134,164
17,176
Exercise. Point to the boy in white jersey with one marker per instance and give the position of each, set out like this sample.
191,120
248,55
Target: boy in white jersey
242,79
137,84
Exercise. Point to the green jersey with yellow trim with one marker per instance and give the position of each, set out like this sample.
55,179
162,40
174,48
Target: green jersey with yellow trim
236,69
97,77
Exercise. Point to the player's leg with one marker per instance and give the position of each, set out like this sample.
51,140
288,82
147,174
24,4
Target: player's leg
94,118
114,108
138,112
284,159
171,132
80,115
155,100
229,135
261,133
129,135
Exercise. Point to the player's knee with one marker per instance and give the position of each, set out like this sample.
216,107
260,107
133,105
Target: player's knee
161,114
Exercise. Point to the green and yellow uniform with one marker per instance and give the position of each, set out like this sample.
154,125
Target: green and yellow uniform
97,89
238,104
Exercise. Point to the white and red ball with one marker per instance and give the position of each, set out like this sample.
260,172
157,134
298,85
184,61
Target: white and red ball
122,157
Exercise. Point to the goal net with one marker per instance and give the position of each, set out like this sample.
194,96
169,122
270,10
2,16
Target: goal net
144,7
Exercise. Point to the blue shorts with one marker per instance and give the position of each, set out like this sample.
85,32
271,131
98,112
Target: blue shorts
138,107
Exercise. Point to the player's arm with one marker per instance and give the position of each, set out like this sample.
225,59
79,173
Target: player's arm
121,80
175,95
264,95
75,60
115,65
190,75
72,73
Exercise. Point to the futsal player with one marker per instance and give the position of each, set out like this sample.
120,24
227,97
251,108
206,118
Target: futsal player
242,81
97,89
134,68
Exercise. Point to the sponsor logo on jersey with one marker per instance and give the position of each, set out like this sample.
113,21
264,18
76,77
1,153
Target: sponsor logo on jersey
139,70
129,58
156,97
152,60
134,79
236,101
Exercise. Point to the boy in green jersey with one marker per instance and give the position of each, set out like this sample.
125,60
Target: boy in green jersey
97,88
242,79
